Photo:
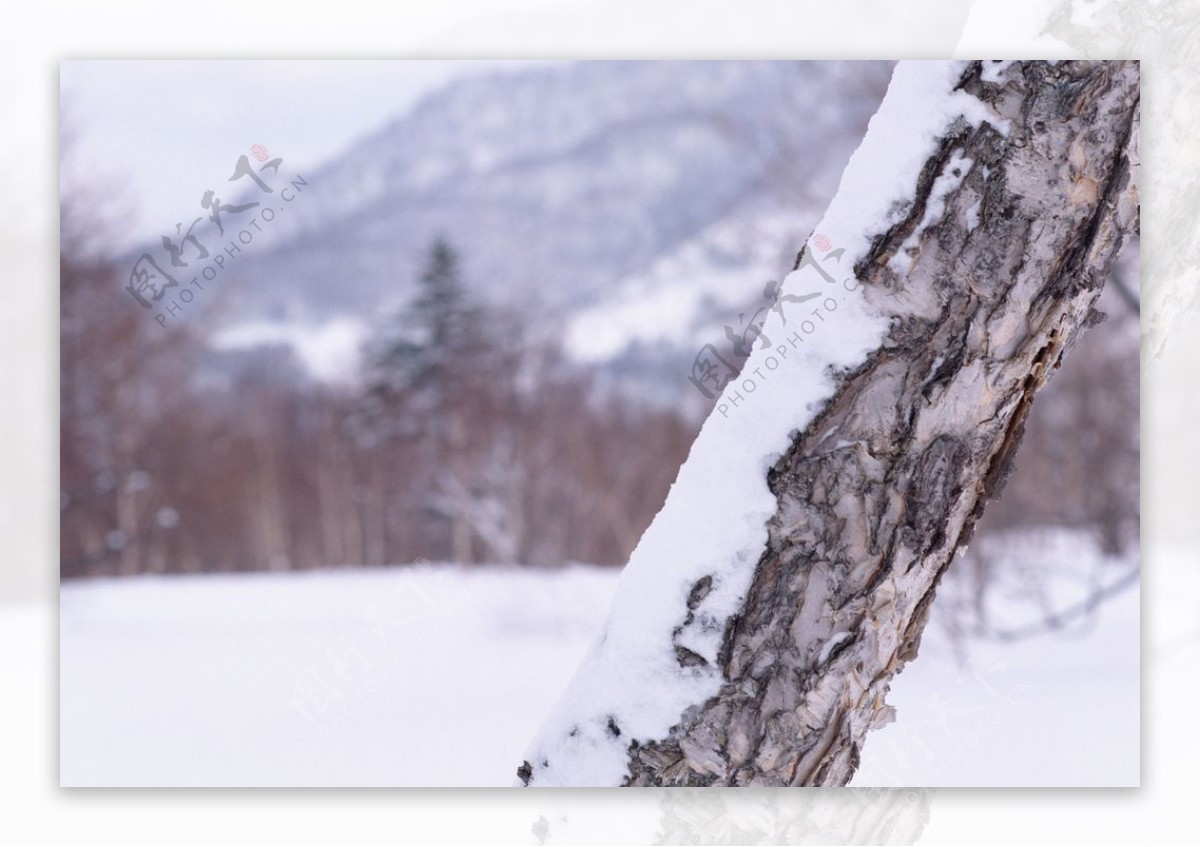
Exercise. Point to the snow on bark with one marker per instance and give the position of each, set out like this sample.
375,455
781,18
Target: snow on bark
787,577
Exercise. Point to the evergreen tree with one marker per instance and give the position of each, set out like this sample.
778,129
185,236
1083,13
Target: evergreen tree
421,361
424,388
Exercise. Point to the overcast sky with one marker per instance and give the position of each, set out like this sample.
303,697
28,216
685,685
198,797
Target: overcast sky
156,134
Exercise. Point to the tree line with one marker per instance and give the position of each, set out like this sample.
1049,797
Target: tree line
467,437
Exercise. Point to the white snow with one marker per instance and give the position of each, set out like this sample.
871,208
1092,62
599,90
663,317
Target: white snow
831,645
968,713
877,187
993,70
952,176
399,677
402,676
973,214
329,351
727,265
713,523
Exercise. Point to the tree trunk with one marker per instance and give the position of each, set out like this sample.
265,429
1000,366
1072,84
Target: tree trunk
988,283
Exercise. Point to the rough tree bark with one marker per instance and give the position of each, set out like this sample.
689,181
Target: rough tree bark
882,490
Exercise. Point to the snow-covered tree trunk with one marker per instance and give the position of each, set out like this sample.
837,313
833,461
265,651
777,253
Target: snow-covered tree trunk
789,576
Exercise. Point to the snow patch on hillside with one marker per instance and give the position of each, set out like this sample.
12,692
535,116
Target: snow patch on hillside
329,351
711,276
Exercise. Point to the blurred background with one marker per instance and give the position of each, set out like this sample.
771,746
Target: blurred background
466,340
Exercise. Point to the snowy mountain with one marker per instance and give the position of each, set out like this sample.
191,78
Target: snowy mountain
634,202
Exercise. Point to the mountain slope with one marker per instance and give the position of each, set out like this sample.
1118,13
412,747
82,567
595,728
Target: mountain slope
570,188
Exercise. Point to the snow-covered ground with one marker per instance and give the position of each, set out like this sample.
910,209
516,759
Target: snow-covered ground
439,676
